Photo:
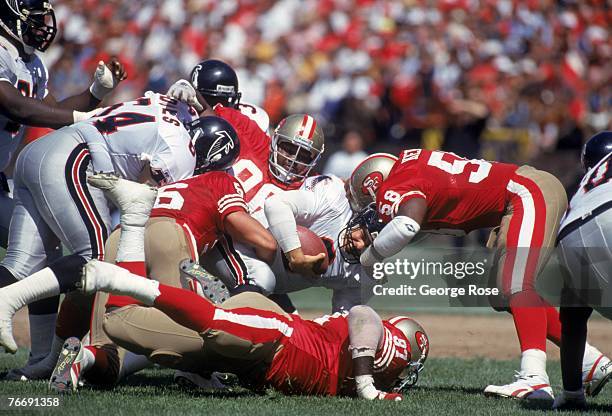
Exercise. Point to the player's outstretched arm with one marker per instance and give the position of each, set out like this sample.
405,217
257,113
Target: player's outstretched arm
33,112
365,339
106,78
397,233
281,212
49,112
245,229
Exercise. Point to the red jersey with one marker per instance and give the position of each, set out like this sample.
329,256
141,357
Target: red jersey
315,359
200,204
251,167
461,194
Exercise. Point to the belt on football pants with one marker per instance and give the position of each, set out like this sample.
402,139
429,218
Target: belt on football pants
4,186
574,225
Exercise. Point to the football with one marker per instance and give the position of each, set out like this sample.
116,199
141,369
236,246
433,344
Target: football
312,245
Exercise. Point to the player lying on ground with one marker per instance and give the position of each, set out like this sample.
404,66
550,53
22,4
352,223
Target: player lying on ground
187,219
585,247
66,206
27,27
249,335
438,191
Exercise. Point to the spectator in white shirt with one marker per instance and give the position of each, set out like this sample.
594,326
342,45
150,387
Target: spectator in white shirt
345,160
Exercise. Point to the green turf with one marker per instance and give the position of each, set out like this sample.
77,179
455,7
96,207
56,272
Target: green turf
447,387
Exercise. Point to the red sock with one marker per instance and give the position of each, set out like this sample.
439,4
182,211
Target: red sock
102,372
136,267
553,325
529,320
185,307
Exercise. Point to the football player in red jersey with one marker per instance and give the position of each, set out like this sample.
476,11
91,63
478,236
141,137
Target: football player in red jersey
265,166
426,190
356,354
187,219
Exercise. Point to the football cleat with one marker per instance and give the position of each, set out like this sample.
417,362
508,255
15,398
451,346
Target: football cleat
197,381
67,373
595,376
6,325
562,402
134,200
526,387
198,280
33,371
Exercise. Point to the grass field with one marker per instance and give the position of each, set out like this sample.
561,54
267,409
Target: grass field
447,387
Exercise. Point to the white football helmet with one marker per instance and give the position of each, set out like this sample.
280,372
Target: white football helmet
297,146
366,179
419,349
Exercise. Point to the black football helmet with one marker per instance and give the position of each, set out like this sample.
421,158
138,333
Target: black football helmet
217,82
31,22
215,142
369,223
596,148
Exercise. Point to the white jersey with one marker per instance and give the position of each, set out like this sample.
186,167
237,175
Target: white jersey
326,218
30,77
123,137
595,190
257,114
321,206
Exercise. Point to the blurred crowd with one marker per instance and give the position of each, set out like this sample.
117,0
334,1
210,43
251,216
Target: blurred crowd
506,79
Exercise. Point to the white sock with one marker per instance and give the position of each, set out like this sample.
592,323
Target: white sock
42,330
132,363
591,354
131,244
533,361
40,285
125,283
89,359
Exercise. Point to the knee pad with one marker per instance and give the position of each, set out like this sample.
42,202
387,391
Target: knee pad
67,271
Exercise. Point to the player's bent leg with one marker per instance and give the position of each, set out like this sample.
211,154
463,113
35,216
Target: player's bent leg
149,332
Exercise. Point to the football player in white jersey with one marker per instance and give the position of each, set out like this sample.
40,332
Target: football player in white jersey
585,248
27,26
141,140
322,206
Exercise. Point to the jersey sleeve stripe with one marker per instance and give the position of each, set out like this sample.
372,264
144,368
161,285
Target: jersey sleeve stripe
230,196
236,204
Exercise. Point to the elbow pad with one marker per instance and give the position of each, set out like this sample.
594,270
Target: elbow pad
282,224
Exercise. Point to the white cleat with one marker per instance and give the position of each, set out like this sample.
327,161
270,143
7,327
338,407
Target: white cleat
6,325
99,276
526,387
595,376
134,200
